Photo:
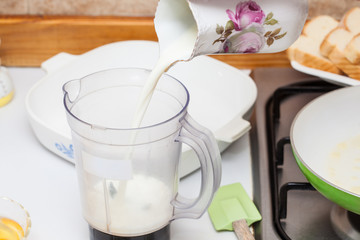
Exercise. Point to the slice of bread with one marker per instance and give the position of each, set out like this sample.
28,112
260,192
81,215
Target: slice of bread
337,40
290,52
337,37
352,50
305,52
338,58
306,49
328,45
318,27
351,20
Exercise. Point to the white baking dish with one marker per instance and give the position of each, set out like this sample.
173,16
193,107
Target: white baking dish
222,97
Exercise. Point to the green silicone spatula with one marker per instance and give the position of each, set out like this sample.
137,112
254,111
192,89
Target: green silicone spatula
233,210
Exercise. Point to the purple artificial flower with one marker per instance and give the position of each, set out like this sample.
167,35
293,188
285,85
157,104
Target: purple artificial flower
246,13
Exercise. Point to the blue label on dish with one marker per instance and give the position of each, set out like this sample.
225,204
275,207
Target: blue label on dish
68,151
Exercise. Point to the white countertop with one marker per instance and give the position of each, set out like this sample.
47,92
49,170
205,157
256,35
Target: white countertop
47,186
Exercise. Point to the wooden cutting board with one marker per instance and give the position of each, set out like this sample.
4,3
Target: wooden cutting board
30,40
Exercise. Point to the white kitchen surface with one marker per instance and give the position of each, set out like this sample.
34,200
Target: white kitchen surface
47,186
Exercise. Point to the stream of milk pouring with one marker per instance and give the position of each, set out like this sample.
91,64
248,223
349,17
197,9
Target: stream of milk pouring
179,50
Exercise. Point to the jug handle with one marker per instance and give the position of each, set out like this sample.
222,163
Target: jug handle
202,141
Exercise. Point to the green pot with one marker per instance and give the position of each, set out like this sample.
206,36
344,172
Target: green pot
325,138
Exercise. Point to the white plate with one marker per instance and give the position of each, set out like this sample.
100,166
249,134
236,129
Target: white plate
327,76
220,96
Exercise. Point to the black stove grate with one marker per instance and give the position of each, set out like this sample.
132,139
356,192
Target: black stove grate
276,150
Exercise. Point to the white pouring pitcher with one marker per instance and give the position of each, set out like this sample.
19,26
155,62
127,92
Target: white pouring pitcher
231,26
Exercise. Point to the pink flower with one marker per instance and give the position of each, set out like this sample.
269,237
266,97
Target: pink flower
246,13
250,40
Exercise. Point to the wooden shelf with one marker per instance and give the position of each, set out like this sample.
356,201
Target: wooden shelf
30,40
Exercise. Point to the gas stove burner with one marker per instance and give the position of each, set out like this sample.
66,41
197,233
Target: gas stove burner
290,206
345,223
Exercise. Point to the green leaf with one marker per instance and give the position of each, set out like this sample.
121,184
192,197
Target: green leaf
271,22
275,32
227,34
280,36
219,29
229,26
269,16
267,34
270,41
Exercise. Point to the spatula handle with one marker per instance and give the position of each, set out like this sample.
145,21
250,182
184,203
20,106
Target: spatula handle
242,230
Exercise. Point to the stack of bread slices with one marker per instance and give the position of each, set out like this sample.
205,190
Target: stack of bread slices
330,45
